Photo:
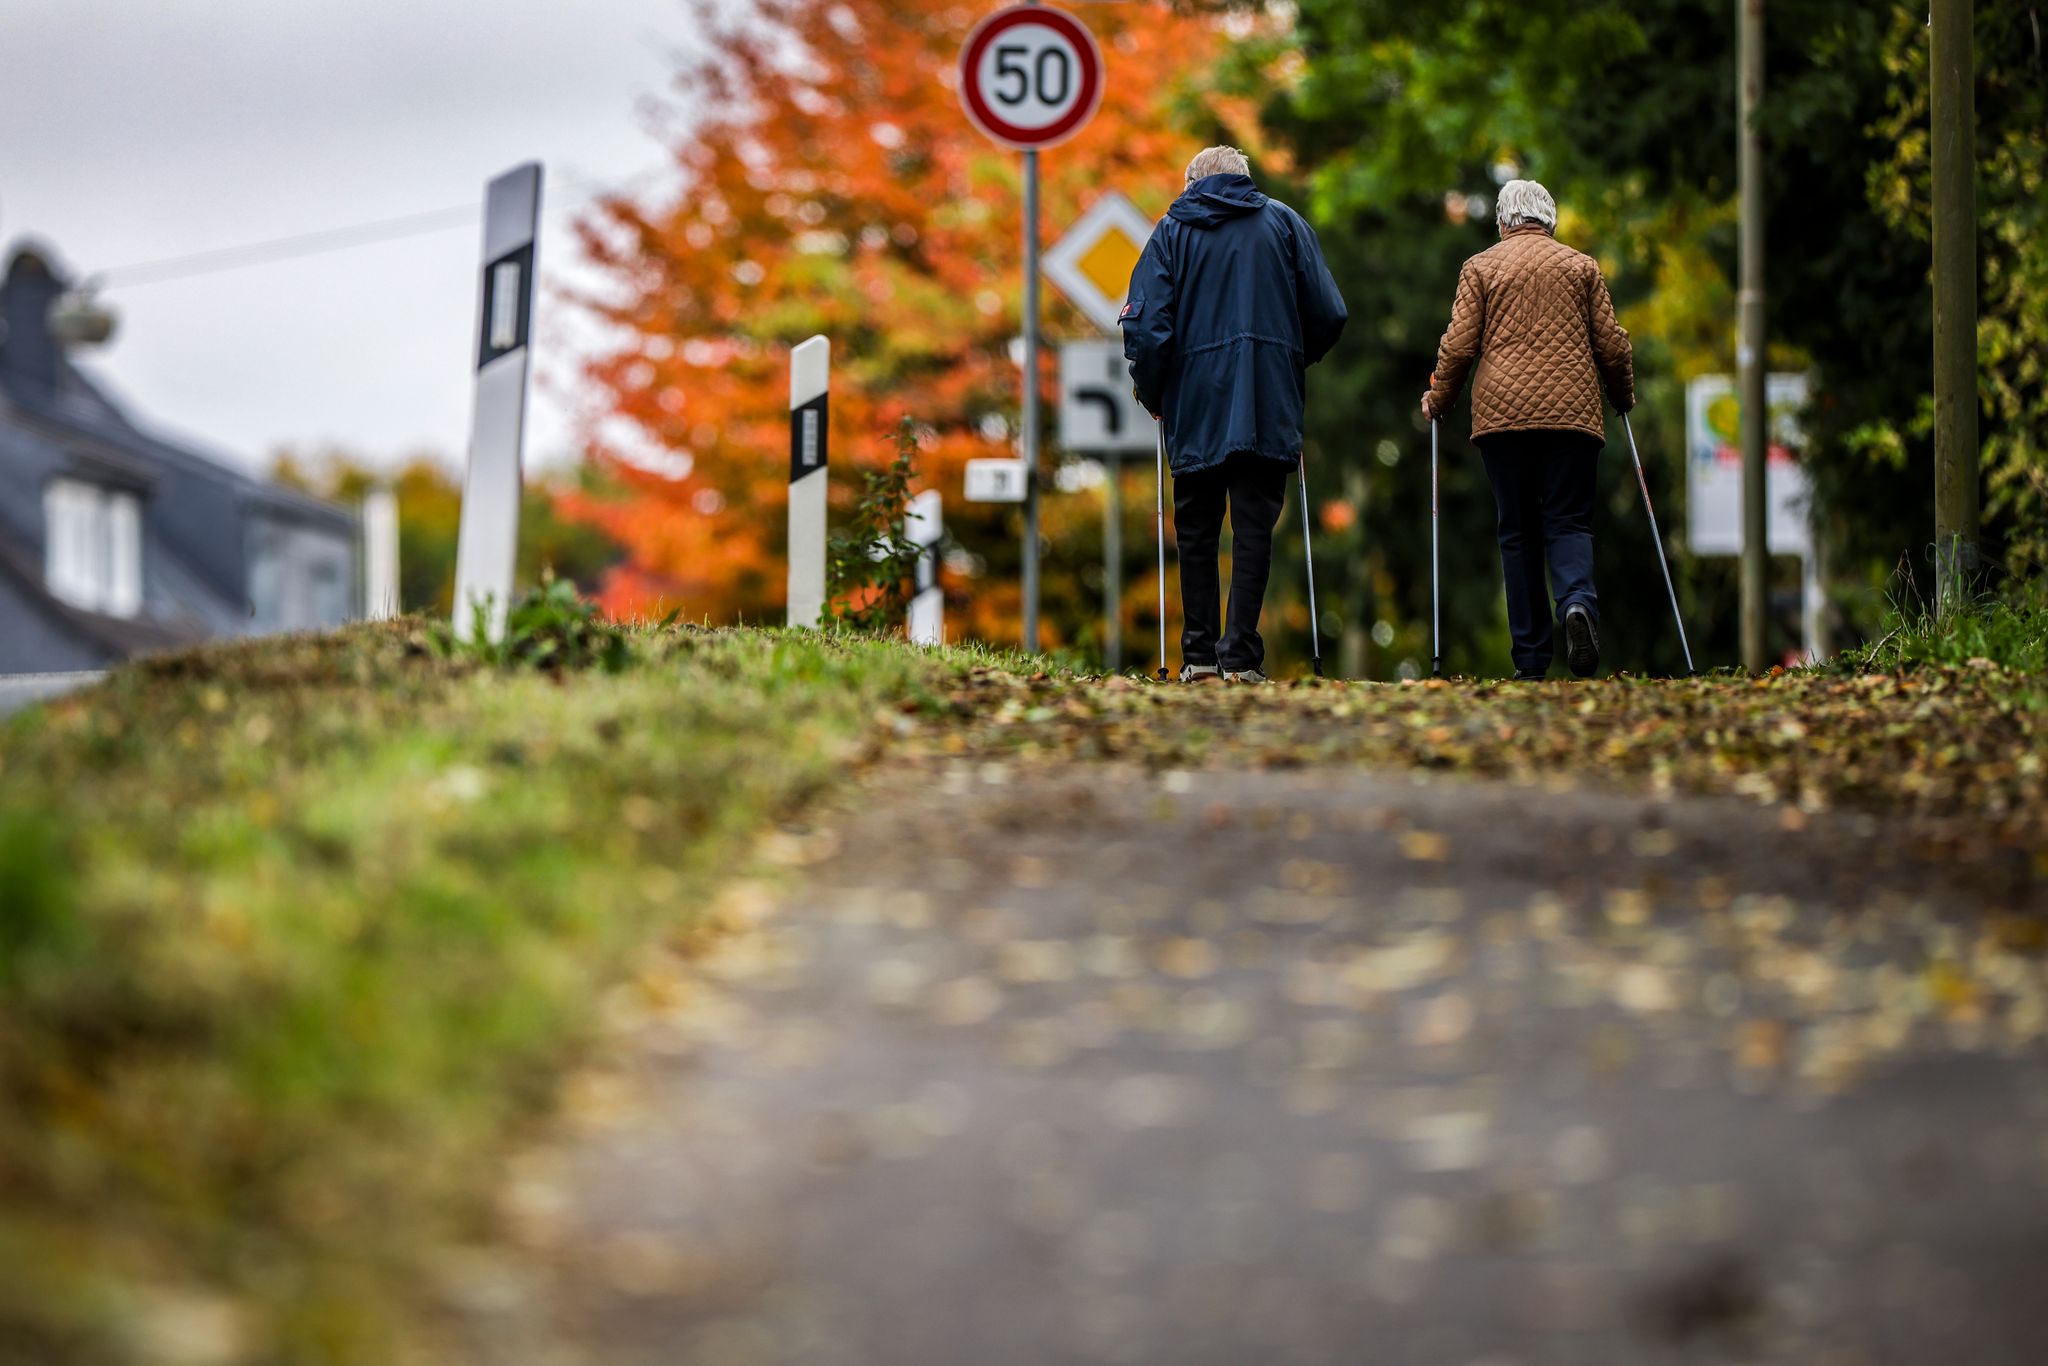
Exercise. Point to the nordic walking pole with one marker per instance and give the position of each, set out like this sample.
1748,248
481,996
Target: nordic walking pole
1159,525
1436,648
1308,557
1643,482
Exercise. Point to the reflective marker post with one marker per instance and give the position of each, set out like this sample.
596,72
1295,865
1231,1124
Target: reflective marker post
924,525
487,547
810,376
380,554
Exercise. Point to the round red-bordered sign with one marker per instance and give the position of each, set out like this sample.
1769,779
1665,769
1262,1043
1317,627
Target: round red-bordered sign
1030,76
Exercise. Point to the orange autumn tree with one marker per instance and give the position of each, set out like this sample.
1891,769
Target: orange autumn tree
829,183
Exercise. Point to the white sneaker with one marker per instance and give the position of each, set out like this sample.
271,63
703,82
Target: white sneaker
1200,673
1245,676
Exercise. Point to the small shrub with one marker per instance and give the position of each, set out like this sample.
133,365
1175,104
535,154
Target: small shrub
871,569
553,628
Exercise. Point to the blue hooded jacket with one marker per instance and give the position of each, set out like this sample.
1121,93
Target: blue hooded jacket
1230,303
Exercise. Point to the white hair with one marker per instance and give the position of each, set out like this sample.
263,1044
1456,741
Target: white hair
1218,161
1523,202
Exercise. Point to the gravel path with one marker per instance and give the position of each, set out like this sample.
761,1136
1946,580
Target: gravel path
1101,1065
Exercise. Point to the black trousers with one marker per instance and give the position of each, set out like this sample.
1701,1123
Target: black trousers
1543,492
1254,489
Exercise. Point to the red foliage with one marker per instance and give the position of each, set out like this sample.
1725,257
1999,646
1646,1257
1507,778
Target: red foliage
834,185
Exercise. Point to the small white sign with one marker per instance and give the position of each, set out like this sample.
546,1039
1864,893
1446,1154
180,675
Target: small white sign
995,481
1099,415
1092,263
1713,467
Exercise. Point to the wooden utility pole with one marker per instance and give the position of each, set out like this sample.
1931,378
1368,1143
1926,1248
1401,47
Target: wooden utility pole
1752,359
1953,149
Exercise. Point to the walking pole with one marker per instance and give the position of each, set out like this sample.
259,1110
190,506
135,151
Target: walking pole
1308,557
1643,482
1159,525
1436,649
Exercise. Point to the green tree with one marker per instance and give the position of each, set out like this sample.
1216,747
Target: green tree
2012,208
1391,121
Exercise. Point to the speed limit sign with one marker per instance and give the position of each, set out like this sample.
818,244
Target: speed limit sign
1030,76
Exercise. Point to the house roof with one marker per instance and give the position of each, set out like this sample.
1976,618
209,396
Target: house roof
56,418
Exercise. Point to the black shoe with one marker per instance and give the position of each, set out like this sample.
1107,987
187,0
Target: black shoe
1523,676
1581,641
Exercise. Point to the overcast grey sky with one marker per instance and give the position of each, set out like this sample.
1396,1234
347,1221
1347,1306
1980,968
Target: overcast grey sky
132,130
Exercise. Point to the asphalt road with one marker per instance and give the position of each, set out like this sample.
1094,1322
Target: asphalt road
1101,1065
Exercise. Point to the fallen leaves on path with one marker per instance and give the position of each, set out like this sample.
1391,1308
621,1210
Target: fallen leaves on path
1962,748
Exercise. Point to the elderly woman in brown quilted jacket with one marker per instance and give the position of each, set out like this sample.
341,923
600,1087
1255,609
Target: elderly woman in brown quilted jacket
1535,330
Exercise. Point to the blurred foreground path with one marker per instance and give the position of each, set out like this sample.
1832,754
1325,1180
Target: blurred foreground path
1098,1064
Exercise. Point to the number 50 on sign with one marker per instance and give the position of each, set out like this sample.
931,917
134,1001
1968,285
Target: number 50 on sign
1030,76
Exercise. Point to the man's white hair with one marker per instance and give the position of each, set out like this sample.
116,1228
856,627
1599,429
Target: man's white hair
1218,161
1523,202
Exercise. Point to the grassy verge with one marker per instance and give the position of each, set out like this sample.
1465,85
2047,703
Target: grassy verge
2010,631
291,934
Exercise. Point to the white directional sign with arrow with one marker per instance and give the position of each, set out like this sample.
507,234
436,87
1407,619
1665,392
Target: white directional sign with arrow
1099,415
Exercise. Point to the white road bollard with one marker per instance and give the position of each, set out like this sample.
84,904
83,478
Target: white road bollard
924,524
488,545
380,554
810,389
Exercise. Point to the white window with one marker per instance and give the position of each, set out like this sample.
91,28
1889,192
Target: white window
93,547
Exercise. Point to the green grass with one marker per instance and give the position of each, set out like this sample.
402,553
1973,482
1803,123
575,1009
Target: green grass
2010,630
293,934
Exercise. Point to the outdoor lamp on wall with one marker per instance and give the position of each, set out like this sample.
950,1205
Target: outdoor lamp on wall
78,318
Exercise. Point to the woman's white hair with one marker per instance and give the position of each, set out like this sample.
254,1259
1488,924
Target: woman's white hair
1523,202
1218,161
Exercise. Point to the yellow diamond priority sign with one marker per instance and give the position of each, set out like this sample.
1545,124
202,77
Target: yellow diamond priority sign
1092,263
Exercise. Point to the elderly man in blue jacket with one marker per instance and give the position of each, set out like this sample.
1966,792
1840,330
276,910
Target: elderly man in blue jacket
1230,304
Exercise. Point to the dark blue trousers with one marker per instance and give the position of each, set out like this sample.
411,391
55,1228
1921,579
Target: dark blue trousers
1254,490
1543,492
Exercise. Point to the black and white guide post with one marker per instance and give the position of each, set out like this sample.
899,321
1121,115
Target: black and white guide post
810,410
488,541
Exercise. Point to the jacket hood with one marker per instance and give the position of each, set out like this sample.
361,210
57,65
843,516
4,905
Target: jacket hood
1216,199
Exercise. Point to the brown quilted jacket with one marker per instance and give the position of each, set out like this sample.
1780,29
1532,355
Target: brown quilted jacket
1535,317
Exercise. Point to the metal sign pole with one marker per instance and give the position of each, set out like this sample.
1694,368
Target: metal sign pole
1113,566
1028,106
1030,424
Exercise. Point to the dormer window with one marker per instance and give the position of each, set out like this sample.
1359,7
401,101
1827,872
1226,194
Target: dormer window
93,546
